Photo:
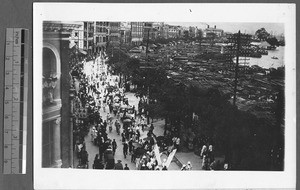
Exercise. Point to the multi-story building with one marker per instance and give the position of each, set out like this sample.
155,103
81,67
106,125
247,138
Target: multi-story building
181,30
137,29
148,31
57,141
170,31
173,32
214,30
88,35
165,31
193,31
77,37
125,32
157,29
101,35
114,33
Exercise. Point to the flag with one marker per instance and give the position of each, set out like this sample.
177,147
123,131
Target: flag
157,155
170,157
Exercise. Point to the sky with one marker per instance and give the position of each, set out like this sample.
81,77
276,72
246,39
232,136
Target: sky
249,28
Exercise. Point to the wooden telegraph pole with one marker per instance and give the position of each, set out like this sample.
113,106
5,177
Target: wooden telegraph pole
241,48
147,46
238,41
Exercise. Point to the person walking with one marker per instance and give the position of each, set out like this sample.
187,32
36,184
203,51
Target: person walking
133,155
114,146
152,127
177,143
104,106
98,163
210,154
130,145
119,165
126,167
137,134
117,124
101,148
123,137
203,152
125,149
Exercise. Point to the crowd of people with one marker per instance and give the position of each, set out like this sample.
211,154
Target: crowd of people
208,159
96,90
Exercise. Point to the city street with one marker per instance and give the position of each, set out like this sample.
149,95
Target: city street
93,150
185,97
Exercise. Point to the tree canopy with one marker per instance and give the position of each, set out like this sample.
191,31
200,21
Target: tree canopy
272,41
262,34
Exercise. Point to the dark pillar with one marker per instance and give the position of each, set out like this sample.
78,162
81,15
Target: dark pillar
66,130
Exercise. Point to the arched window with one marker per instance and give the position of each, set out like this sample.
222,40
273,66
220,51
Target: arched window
49,62
51,75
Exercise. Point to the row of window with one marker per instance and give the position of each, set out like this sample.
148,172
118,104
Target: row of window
137,30
101,30
90,34
102,23
136,35
101,39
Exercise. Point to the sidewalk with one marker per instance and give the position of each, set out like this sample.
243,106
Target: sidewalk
184,157
180,158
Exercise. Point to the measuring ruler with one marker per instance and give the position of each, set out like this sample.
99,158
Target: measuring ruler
15,101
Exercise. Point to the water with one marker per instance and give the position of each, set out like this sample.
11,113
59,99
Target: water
266,61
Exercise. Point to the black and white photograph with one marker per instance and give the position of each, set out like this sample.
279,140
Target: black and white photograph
198,96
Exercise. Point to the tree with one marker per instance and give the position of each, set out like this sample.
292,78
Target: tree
273,41
262,34
186,34
133,64
199,37
211,37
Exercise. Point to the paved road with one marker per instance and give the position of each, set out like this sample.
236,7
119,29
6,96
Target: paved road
93,150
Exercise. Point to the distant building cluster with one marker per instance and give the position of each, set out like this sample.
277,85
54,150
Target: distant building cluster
213,31
93,36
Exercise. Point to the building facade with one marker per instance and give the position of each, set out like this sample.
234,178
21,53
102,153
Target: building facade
57,145
165,31
173,32
125,32
114,33
88,35
214,30
101,35
137,32
77,37
193,31
157,29
148,31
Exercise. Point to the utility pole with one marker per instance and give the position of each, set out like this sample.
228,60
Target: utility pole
148,90
147,45
148,96
241,48
236,66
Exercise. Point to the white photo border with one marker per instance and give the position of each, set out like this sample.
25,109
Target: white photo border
54,178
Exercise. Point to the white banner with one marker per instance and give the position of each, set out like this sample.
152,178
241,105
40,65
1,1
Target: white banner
170,157
157,155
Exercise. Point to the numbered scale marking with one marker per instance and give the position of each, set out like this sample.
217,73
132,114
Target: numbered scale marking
15,101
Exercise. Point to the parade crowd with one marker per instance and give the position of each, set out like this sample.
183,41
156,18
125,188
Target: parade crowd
98,91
